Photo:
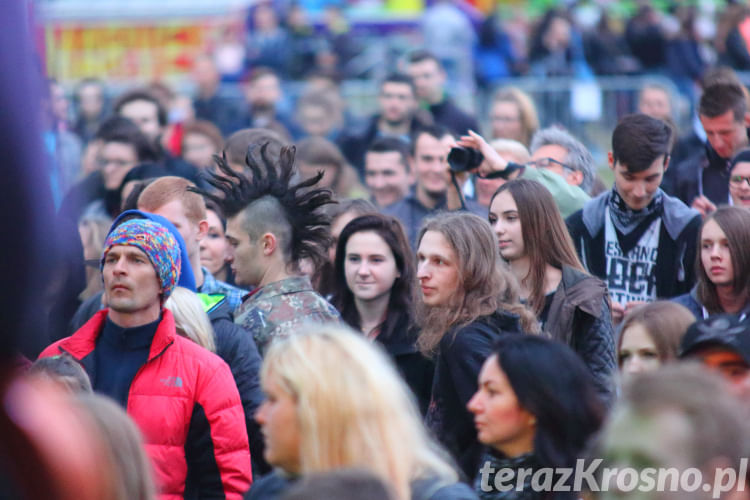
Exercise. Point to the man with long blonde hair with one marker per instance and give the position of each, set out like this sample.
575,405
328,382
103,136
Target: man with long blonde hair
468,301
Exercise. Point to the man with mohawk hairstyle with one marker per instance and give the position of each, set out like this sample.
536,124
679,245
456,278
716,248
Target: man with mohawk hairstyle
271,225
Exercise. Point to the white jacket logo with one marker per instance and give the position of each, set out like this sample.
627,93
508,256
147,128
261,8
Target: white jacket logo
171,381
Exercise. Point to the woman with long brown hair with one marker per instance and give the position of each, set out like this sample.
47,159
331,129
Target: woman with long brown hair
571,305
722,265
375,288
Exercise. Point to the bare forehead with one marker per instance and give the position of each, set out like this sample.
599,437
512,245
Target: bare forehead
427,66
428,144
396,88
140,107
434,243
741,167
235,222
368,242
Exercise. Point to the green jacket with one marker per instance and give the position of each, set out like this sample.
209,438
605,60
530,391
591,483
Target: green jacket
279,309
569,198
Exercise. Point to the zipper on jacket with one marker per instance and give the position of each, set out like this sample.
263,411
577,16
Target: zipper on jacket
130,386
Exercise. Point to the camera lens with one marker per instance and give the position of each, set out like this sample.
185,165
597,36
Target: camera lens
464,159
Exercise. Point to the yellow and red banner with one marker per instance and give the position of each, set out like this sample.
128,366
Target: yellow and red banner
123,51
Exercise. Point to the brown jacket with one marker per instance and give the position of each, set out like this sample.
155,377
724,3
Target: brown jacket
580,316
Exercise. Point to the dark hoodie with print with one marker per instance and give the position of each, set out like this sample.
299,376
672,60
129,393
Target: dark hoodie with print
675,261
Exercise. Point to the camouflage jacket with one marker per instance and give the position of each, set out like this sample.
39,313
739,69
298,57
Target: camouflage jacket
279,309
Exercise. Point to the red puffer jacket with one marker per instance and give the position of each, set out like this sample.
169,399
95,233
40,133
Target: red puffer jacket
186,404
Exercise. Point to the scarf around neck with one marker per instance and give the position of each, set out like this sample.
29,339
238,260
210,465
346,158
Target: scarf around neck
625,219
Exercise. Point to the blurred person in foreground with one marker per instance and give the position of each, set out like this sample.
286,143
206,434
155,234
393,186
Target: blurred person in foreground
339,485
536,407
673,420
133,478
360,415
722,344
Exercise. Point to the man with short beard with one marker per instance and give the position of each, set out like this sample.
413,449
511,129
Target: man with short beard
263,94
433,190
398,116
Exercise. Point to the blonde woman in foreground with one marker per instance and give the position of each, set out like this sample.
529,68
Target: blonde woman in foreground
360,414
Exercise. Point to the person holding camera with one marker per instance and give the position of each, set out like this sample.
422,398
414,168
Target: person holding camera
438,185
490,164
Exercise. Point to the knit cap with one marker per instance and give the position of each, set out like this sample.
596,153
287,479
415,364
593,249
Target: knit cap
156,242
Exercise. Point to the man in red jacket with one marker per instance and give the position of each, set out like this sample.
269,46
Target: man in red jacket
182,396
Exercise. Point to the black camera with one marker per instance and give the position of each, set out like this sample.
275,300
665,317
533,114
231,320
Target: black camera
464,159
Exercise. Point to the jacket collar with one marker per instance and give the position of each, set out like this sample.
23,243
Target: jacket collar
583,291
82,343
293,284
675,215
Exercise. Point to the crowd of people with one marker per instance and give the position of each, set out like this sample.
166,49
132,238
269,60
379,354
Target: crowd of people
247,303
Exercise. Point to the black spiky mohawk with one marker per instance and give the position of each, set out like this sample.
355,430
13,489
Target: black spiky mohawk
268,176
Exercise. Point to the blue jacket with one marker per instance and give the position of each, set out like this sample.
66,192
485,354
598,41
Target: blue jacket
690,301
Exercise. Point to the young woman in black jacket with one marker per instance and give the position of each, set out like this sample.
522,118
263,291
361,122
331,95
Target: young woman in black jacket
374,279
572,306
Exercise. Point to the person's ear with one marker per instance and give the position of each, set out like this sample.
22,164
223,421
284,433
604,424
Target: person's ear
268,243
611,161
575,178
667,159
202,229
747,120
